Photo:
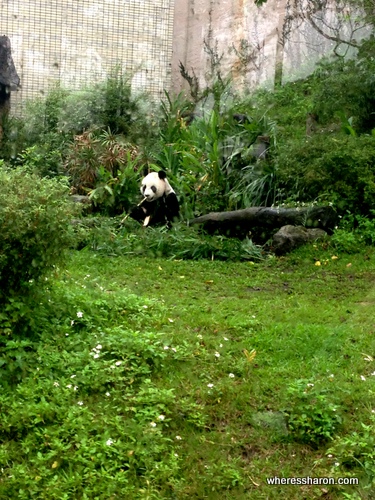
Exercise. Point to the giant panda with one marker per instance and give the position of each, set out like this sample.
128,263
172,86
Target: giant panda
159,205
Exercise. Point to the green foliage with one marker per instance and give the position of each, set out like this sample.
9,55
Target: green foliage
97,161
357,450
345,241
354,233
99,134
42,116
312,418
108,104
42,160
117,109
181,242
335,169
139,379
13,137
347,87
36,232
212,159
95,382
117,194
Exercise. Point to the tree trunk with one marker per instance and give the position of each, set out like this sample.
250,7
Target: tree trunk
261,222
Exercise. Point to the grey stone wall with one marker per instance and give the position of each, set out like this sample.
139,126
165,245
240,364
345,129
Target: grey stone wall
77,42
247,39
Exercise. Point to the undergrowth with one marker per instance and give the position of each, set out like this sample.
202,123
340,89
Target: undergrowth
151,378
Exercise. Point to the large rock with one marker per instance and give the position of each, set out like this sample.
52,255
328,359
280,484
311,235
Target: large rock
290,237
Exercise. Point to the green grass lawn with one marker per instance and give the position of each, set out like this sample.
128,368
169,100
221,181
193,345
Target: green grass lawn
178,379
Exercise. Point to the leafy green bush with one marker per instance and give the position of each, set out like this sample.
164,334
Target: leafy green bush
346,87
357,449
109,105
105,166
354,232
345,241
312,418
42,159
35,218
337,169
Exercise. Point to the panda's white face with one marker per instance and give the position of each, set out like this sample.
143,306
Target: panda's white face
153,187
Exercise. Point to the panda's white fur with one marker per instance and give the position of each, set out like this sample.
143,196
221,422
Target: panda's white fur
160,204
153,186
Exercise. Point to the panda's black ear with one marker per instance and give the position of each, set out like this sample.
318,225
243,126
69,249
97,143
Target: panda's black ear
162,174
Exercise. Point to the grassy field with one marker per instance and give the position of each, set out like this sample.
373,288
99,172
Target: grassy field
156,379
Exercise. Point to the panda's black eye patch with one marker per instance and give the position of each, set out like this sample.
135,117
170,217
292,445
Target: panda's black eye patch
153,188
143,188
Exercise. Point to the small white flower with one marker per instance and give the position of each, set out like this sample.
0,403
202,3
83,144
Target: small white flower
69,386
72,322
363,378
331,376
161,417
329,456
56,384
96,355
145,307
373,374
98,347
79,314
253,316
176,454
217,354
166,347
225,338
107,394
199,336
80,403
310,385
118,363
152,424
337,464
178,438
67,335
109,442
231,375
72,376
75,387
210,385
221,345
174,349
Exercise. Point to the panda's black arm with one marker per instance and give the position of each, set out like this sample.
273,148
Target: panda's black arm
172,206
137,214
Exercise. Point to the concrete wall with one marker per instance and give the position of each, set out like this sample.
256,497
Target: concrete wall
247,39
76,42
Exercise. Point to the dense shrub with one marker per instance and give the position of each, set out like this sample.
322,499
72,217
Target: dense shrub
340,169
346,88
35,218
